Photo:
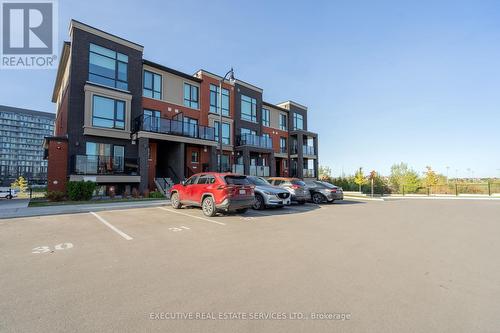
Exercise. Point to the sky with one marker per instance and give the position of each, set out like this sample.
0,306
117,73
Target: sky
385,81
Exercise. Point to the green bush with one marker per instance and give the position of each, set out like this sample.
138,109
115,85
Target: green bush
80,191
55,195
156,195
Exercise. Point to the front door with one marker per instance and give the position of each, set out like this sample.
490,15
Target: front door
278,167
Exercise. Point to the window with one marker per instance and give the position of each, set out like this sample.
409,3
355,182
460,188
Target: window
191,180
152,85
283,122
190,127
108,67
190,96
282,145
265,117
298,121
246,131
194,158
226,130
108,112
151,120
248,108
118,158
214,100
285,164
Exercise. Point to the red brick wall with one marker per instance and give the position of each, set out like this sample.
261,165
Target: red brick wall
168,110
275,137
205,95
57,169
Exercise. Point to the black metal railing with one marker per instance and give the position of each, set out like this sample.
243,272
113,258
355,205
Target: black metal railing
104,165
255,140
283,150
173,127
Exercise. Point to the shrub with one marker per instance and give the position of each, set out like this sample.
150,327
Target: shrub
55,195
156,195
78,191
145,193
135,193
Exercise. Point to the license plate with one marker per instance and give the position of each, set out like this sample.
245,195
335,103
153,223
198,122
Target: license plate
243,192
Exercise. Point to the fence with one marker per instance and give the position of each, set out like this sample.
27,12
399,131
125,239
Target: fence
452,189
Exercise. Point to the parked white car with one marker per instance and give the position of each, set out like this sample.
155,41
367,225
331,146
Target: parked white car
7,193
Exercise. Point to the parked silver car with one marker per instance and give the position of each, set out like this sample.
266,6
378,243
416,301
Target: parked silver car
324,191
295,186
267,195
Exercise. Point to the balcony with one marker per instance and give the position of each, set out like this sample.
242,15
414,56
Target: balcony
259,170
173,127
239,169
283,150
103,165
255,141
308,150
308,173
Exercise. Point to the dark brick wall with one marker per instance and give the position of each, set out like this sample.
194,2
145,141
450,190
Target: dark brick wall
238,122
57,165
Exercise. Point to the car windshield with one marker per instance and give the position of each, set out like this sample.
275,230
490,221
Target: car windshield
298,182
258,181
236,180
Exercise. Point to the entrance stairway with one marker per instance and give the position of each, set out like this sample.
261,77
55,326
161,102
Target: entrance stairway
164,185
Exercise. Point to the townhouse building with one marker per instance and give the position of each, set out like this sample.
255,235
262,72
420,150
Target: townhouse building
126,122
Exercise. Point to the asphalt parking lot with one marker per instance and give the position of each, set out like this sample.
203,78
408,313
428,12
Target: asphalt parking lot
399,266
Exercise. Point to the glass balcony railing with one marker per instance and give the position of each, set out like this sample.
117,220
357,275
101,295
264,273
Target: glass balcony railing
283,150
255,141
308,150
259,170
239,169
104,165
308,173
174,127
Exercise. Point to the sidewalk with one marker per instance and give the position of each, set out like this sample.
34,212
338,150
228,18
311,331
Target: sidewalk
71,209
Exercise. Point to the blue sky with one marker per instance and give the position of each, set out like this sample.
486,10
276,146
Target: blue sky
385,81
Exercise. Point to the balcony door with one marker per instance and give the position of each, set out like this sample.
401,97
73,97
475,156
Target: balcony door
190,127
152,120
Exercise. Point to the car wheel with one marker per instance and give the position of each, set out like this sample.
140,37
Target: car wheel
174,199
318,198
208,207
259,202
241,210
9,196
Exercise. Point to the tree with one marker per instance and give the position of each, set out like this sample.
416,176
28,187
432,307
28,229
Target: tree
325,173
20,183
372,177
402,175
359,178
430,177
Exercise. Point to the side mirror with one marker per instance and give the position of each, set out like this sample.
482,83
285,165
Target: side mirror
183,183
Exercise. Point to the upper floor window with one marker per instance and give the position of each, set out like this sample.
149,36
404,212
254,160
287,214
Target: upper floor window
152,85
226,132
283,122
214,100
298,121
108,67
248,108
266,117
190,96
108,112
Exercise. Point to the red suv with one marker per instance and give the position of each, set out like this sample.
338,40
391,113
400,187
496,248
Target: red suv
214,192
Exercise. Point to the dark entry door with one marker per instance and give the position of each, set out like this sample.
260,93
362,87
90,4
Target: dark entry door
278,167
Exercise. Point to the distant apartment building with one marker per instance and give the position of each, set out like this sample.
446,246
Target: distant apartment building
128,122
21,136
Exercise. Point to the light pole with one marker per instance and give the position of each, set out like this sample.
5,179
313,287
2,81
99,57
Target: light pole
231,79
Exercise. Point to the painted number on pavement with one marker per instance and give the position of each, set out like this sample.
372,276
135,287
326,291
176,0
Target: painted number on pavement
46,249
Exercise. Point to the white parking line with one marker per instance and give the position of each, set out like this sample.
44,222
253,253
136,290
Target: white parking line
106,223
196,217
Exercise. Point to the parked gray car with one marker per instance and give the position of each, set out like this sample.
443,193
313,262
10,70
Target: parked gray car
324,191
267,195
295,186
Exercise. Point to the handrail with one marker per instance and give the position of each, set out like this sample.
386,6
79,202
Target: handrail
174,127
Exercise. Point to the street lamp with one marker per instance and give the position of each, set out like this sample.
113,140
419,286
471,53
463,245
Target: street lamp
231,79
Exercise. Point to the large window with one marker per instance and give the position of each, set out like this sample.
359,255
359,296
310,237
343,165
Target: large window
190,96
248,108
108,112
298,121
214,100
190,127
152,85
108,67
151,120
226,130
246,131
266,117
282,145
283,122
